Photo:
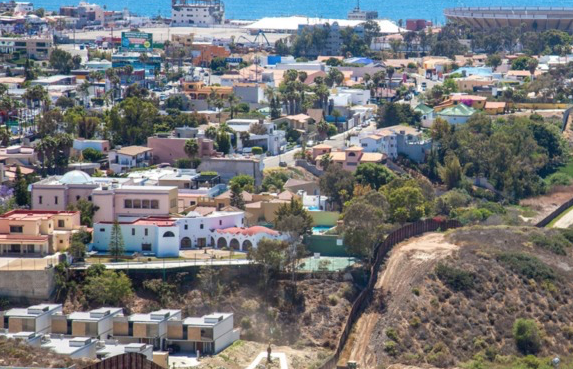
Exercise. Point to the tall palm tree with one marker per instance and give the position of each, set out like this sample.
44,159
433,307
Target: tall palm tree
219,104
233,100
191,148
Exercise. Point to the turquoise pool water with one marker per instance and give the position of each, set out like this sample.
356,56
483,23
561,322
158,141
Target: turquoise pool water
320,229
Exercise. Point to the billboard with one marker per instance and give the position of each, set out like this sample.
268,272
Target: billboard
136,41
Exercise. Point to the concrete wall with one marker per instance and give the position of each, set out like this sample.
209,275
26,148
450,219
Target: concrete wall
228,168
27,284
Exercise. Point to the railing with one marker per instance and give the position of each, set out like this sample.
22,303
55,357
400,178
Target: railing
399,235
125,361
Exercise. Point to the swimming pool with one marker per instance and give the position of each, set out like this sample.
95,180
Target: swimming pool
320,229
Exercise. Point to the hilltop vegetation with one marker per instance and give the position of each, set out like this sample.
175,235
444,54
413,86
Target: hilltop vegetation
483,304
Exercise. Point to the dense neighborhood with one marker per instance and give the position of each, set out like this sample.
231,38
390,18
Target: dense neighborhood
198,191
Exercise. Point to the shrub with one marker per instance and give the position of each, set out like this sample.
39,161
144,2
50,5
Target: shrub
527,266
531,362
246,323
416,291
555,243
558,179
567,233
250,306
455,279
332,300
526,336
391,348
256,150
415,322
392,334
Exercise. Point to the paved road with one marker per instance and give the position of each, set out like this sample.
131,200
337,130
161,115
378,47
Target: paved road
337,142
171,264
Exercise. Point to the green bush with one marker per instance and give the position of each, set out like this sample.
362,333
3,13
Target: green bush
556,243
246,323
92,155
391,348
332,300
567,233
455,279
526,336
256,150
392,334
527,266
558,179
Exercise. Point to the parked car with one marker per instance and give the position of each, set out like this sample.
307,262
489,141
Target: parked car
283,164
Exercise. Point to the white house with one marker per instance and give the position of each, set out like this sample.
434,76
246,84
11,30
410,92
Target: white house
96,323
128,157
80,144
209,334
273,141
381,141
196,230
37,318
156,235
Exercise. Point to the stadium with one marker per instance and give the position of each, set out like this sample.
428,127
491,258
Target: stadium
530,18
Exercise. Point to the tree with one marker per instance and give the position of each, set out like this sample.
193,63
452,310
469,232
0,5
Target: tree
337,184
191,148
244,181
78,244
223,142
108,288
270,254
116,245
325,161
390,114
364,223
87,211
21,189
334,77
237,196
526,335
48,124
520,63
233,100
64,102
451,173
293,219
494,61
132,121
61,60
322,128
92,155
373,174
407,203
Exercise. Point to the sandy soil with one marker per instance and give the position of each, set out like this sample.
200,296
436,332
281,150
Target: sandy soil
545,204
419,255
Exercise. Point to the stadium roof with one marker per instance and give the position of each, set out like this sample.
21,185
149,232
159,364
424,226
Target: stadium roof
292,23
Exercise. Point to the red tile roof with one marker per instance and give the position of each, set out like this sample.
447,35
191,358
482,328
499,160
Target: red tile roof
251,231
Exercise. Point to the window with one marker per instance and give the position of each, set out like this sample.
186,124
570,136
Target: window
201,226
61,223
39,199
127,204
133,231
146,231
186,227
102,229
168,234
145,247
61,241
89,198
155,204
16,229
77,197
137,204
56,200
145,204
220,222
351,154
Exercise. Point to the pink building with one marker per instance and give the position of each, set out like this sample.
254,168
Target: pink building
169,149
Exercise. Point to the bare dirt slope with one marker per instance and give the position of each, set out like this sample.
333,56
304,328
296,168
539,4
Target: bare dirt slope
543,205
406,267
422,316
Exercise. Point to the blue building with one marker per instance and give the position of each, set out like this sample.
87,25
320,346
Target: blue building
152,62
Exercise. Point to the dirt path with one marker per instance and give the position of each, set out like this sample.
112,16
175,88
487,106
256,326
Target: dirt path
408,262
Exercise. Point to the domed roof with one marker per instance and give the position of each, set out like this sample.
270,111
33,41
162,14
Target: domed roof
76,177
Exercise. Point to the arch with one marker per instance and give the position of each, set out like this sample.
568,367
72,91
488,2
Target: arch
185,243
221,242
212,243
168,234
235,244
247,245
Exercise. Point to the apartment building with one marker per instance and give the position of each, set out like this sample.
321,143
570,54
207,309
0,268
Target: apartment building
197,12
395,140
209,334
37,232
34,319
96,323
351,157
145,328
38,48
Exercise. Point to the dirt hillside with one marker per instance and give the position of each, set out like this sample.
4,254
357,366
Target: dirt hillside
443,298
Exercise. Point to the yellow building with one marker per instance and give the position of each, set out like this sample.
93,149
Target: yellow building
200,91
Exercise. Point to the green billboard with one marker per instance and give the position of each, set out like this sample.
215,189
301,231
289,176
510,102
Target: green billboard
137,41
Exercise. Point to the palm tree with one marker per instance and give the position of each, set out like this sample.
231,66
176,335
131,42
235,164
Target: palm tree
322,128
219,104
390,72
191,148
233,100
336,115
84,90
532,64
378,78
244,137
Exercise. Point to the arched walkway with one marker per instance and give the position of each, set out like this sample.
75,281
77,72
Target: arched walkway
185,243
221,242
212,244
235,245
247,245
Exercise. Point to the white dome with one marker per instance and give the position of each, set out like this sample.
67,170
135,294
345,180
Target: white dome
76,177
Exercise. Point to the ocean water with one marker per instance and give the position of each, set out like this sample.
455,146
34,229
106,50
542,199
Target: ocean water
256,9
